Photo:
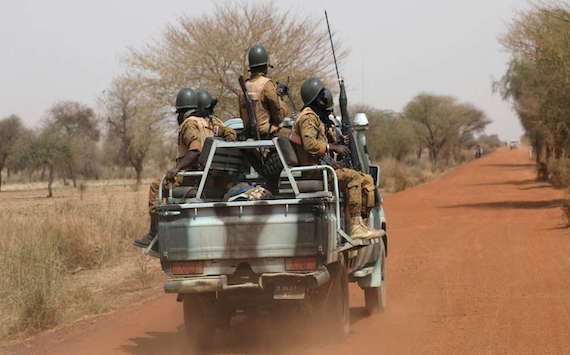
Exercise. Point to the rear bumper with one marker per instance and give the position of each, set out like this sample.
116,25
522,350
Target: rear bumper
220,283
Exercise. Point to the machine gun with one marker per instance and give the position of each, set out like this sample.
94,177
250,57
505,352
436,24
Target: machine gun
252,127
346,126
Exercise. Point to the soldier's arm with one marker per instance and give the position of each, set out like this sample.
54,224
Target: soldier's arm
189,134
309,130
227,133
273,103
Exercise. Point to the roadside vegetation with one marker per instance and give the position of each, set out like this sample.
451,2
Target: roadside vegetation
46,243
431,135
47,248
536,83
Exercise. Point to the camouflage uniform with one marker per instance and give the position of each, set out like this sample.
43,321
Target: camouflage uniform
311,143
192,134
269,108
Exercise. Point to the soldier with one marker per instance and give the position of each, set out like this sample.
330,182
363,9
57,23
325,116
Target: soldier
270,109
312,137
194,127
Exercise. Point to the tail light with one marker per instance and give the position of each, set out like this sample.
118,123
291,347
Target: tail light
301,263
187,267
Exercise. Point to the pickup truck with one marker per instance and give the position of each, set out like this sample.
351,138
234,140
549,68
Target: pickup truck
225,257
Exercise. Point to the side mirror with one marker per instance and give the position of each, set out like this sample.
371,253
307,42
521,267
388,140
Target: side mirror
360,119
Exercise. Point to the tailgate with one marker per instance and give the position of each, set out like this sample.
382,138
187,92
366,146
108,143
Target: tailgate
243,231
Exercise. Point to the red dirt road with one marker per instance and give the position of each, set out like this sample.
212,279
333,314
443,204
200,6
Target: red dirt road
479,264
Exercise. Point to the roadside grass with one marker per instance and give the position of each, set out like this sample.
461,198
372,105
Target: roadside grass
43,245
400,175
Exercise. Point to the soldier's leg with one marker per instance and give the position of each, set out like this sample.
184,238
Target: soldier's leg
352,183
368,194
153,196
152,204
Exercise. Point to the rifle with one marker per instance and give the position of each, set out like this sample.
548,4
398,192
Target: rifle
293,106
346,126
252,121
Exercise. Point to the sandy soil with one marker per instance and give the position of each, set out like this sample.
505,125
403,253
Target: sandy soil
479,264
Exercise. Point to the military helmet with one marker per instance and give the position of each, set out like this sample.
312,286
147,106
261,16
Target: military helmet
204,100
186,99
257,56
310,90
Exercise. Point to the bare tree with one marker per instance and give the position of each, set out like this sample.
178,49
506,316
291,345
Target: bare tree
130,121
210,52
11,128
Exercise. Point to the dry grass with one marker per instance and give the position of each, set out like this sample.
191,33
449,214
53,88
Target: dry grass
398,176
45,242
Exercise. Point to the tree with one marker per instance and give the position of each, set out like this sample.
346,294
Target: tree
442,122
11,129
75,123
131,122
537,78
489,142
44,149
210,52
389,134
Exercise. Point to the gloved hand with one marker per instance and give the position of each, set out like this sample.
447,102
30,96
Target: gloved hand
282,89
339,149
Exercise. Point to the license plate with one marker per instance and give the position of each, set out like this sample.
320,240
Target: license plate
289,292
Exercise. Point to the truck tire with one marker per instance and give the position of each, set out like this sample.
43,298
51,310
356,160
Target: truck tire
199,320
375,297
337,308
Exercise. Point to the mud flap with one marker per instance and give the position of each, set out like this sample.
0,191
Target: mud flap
374,279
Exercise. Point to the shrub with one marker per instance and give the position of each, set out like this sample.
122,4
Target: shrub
398,176
559,172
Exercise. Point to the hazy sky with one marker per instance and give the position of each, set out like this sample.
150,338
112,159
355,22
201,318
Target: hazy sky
69,50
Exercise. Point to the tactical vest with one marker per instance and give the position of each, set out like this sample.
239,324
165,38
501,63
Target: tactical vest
254,87
297,139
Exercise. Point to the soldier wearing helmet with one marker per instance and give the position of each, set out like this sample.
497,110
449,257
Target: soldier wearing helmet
313,136
196,121
266,96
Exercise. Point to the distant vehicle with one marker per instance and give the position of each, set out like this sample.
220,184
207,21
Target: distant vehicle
513,144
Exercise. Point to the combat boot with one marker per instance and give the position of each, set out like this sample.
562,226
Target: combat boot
376,232
145,241
358,230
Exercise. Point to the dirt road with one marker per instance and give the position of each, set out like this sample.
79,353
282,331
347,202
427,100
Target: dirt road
479,264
